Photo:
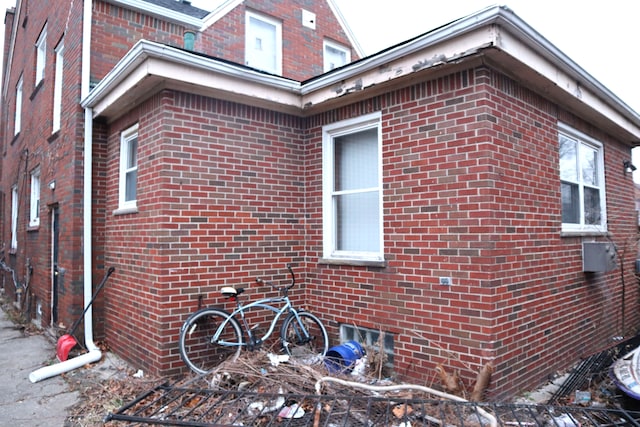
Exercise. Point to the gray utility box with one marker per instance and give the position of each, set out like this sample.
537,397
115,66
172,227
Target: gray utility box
598,257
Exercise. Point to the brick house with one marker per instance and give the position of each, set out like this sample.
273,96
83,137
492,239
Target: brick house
460,192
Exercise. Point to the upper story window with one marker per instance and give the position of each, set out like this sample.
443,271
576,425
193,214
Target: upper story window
14,217
34,211
582,182
17,122
335,55
57,88
41,55
263,43
128,168
352,190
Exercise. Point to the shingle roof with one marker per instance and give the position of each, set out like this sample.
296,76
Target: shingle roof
180,6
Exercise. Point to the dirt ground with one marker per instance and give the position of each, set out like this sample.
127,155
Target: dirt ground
108,385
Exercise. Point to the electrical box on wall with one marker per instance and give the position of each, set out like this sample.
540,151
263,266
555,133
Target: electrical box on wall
598,257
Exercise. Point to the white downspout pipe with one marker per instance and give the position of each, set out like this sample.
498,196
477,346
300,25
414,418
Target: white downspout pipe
94,354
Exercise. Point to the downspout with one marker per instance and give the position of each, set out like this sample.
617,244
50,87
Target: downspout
94,354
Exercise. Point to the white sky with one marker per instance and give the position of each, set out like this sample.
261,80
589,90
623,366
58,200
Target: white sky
601,37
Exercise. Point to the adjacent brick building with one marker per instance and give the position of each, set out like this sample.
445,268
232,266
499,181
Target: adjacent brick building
439,191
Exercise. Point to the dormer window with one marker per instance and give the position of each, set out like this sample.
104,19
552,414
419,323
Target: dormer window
335,55
263,44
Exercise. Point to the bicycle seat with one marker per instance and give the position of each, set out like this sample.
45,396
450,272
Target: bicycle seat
229,291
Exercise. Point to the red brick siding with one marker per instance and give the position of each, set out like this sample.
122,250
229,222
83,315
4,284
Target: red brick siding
115,30
59,157
220,202
471,190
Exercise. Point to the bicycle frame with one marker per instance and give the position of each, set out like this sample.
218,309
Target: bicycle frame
264,303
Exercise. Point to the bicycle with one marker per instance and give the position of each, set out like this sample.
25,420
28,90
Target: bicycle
211,335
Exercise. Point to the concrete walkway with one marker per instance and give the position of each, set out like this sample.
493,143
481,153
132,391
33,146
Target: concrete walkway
23,404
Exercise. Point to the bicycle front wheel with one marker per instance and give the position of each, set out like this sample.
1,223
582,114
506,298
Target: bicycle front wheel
198,349
304,337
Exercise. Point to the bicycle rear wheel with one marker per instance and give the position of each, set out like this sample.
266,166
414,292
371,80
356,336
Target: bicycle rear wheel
197,348
304,337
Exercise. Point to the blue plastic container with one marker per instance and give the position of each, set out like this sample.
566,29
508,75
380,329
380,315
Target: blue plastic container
342,358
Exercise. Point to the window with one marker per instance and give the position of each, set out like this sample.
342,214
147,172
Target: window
369,339
263,43
14,217
34,211
57,88
582,182
352,190
17,123
335,55
41,55
128,168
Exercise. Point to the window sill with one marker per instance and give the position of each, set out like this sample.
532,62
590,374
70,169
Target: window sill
353,262
583,233
33,227
125,211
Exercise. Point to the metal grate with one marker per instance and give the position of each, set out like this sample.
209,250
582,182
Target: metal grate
173,405
592,369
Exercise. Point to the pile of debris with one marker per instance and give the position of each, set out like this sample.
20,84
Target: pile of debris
260,387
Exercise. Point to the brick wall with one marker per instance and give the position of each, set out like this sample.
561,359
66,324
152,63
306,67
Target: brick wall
57,155
471,191
115,31
220,202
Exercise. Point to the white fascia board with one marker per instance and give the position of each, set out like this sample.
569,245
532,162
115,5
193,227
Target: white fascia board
381,69
219,12
160,12
495,26
174,66
345,26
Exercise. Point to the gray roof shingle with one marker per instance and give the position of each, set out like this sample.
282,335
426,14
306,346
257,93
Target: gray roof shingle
180,6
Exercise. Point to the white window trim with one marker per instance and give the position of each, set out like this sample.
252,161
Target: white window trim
34,200
17,123
41,55
329,132
14,217
336,46
582,227
125,138
57,88
278,49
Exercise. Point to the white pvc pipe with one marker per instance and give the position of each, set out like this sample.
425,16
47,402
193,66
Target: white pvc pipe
492,420
94,353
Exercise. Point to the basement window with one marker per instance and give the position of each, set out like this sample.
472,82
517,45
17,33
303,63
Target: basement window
370,340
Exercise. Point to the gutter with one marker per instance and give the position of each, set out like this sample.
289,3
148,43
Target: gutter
94,354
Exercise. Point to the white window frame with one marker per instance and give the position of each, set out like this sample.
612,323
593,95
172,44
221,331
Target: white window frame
249,41
57,88
126,139
17,122
34,200
14,217
586,142
328,44
41,55
329,209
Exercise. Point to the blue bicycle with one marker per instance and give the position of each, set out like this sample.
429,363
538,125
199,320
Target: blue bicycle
211,336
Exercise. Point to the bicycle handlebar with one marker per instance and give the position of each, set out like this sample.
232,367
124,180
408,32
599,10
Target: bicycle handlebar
283,289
